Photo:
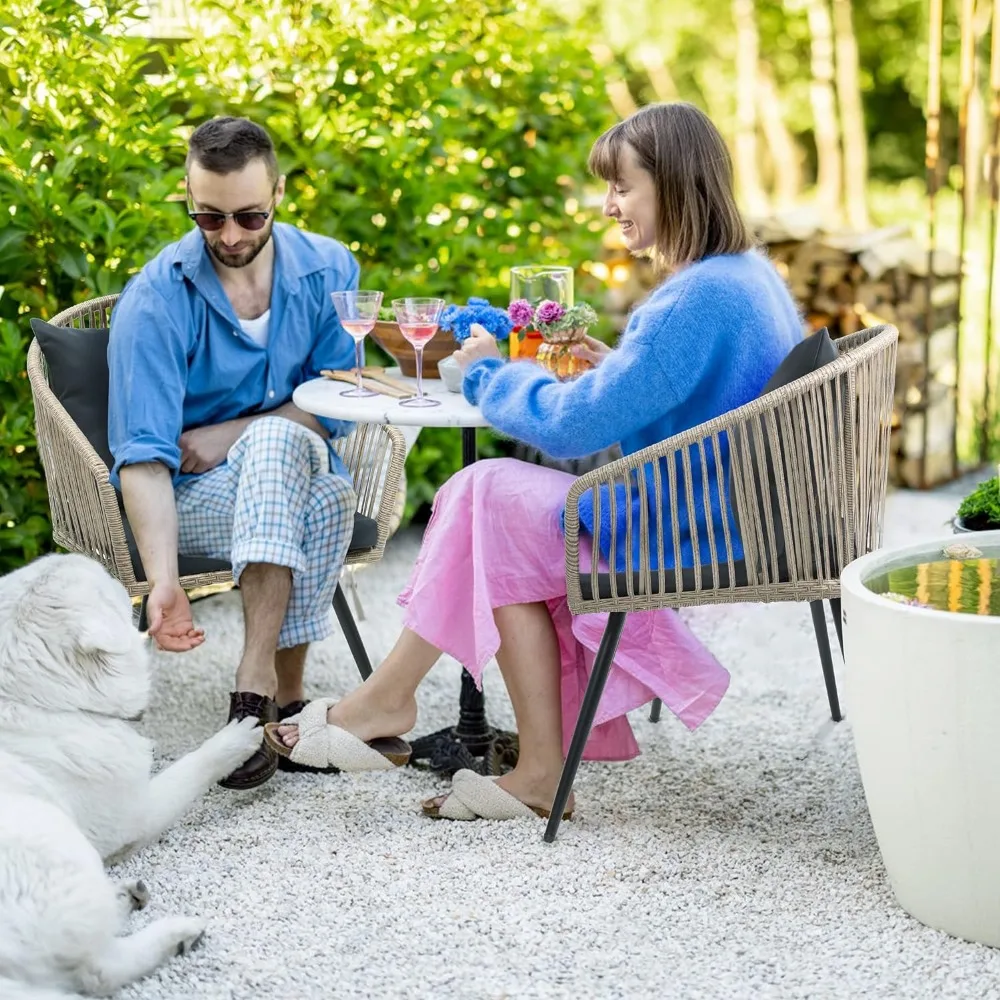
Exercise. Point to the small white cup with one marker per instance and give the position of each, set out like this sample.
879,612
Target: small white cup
451,374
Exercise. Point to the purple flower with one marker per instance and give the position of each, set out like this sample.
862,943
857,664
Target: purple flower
549,312
520,312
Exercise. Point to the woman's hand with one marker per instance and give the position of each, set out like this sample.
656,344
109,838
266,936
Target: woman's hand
478,345
592,350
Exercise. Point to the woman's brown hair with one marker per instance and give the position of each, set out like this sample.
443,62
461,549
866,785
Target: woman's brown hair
696,211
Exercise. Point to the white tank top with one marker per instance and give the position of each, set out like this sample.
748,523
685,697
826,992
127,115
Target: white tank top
257,329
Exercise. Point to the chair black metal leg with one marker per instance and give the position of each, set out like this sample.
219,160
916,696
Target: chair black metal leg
351,633
654,712
823,642
837,622
591,699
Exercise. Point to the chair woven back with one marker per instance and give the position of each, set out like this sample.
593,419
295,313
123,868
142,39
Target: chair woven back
805,496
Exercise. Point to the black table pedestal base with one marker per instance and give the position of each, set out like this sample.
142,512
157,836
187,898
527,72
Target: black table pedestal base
472,744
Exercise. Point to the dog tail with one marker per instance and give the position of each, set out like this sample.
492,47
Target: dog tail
9,990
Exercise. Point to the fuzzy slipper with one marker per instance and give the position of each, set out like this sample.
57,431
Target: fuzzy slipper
476,797
285,713
321,745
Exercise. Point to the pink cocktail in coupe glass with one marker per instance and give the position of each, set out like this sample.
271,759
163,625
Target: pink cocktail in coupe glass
357,312
418,322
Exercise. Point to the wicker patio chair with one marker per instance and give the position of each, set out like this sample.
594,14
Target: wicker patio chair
87,513
807,487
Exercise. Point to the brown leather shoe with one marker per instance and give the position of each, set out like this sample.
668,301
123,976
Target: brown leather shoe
262,765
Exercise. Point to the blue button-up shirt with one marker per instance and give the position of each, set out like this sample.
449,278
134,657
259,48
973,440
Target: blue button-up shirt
179,358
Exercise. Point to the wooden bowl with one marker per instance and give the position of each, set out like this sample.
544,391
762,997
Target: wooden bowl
442,345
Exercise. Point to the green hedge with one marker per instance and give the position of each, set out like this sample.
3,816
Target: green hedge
440,139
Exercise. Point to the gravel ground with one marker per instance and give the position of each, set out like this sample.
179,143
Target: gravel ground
734,862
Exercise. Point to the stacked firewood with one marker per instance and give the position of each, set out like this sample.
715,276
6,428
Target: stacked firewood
848,282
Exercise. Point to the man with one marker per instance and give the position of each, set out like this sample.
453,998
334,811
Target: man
211,455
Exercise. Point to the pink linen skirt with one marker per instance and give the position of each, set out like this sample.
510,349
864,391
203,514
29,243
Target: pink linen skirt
495,538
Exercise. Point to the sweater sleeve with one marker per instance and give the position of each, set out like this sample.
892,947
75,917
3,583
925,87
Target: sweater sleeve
664,357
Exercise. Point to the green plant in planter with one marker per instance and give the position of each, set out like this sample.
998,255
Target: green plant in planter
980,510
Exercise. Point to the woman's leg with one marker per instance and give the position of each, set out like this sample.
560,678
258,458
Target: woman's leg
385,704
529,662
528,658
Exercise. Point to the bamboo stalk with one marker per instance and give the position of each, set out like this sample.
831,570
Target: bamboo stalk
966,77
932,156
994,155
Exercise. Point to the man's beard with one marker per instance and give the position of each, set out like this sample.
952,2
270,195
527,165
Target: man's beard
244,257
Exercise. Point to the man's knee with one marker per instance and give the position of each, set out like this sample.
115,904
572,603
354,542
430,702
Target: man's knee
270,430
278,438
332,496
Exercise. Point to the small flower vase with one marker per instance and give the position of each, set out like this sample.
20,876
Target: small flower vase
555,353
524,344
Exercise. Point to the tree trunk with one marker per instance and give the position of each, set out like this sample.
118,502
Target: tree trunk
785,155
747,167
660,77
826,129
852,116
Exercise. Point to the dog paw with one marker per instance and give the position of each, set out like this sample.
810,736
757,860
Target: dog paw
189,934
134,894
237,743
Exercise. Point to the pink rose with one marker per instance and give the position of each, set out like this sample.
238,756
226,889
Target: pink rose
520,313
549,312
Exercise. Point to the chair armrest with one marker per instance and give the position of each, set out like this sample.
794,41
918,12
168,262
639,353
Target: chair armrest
374,455
86,517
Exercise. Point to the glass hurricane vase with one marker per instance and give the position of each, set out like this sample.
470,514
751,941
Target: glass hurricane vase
555,354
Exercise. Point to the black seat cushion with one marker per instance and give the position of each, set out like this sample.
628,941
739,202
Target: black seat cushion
365,537
77,361
687,581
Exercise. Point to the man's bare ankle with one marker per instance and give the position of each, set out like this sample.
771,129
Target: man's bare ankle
257,681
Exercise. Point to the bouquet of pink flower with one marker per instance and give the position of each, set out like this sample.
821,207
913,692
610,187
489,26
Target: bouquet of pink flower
554,322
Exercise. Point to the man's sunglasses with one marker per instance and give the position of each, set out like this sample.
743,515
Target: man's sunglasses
212,222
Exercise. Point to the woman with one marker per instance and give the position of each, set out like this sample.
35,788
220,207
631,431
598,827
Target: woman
490,578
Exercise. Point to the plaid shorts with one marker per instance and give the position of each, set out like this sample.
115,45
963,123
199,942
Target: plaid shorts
275,501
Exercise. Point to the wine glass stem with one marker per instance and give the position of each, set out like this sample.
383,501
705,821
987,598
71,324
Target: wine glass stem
357,363
419,351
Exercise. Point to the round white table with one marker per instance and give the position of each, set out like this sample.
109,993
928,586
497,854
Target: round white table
323,398
456,747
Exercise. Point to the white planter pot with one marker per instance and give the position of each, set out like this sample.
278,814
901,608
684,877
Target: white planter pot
923,697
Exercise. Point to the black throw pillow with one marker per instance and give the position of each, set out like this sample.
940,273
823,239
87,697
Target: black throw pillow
78,376
808,356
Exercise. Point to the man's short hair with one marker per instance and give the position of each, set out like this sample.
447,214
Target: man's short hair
225,145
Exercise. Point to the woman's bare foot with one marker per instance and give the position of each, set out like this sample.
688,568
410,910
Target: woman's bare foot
362,716
536,791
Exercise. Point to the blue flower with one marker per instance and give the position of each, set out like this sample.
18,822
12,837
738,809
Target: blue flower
458,319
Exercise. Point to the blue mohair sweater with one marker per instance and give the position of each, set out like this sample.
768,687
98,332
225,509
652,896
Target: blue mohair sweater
704,342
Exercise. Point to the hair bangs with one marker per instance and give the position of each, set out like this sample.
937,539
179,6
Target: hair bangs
605,156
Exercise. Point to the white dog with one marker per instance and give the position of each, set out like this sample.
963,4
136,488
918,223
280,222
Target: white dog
76,787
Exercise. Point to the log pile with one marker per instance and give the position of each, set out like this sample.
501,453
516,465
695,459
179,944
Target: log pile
847,282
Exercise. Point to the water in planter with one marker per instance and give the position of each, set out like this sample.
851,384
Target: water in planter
971,586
